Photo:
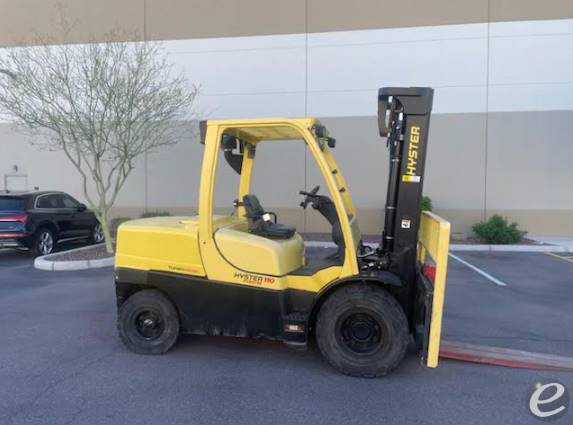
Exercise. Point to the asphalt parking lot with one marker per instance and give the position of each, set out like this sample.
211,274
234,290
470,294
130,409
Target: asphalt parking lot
61,361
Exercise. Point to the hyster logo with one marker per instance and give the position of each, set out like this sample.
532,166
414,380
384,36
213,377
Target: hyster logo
253,278
413,149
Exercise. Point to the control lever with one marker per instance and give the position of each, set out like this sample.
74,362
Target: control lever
308,196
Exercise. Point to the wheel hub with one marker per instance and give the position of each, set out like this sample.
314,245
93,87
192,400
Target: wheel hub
46,243
361,333
149,325
98,233
361,330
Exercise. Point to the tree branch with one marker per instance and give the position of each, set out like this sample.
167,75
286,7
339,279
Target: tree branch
102,104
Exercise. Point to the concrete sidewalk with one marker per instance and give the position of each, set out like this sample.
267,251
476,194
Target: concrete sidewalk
542,247
565,242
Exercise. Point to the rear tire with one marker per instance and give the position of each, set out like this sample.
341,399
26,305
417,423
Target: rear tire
148,323
44,242
362,331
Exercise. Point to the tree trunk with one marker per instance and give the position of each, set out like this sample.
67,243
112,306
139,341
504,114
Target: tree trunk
102,216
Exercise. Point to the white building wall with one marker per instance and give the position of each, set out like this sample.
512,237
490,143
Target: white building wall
479,160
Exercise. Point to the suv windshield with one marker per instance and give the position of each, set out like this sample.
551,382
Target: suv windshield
11,203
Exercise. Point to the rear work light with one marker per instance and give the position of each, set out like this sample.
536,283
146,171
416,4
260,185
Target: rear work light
22,218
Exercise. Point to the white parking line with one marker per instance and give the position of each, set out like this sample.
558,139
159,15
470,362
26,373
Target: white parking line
561,257
478,270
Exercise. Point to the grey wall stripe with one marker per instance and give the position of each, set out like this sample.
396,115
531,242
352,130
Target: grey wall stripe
21,20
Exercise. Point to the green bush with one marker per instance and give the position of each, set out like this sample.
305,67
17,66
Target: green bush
115,222
497,230
148,214
426,203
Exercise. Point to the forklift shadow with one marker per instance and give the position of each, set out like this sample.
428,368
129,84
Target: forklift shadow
252,348
253,352
262,353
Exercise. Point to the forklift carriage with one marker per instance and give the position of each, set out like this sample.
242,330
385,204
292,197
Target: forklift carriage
248,275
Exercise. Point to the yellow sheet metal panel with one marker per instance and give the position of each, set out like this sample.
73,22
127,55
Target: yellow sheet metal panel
434,239
252,253
160,243
315,282
222,221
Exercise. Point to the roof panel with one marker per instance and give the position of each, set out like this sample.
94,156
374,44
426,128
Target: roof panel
265,133
265,128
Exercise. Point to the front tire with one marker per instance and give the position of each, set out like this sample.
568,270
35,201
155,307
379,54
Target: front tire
43,243
148,323
362,331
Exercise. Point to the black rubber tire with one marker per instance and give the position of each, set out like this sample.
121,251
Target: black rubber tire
387,314
148,300
35,246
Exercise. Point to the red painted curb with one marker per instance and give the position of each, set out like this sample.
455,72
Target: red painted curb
504,357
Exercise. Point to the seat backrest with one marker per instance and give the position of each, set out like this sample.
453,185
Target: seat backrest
253,207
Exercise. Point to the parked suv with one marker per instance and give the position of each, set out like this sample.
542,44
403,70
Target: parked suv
39,220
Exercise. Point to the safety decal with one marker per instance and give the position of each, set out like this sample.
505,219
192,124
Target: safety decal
410,179
182,269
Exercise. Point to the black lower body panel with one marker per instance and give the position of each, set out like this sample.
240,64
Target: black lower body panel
219,308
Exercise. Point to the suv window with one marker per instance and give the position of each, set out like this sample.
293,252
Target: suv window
11,203
69,202
48,201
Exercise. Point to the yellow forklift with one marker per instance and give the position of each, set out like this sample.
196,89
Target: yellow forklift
247,275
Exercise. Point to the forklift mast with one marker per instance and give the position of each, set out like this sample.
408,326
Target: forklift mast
404,119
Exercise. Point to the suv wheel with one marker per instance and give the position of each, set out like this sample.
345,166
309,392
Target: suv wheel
44,242
97,234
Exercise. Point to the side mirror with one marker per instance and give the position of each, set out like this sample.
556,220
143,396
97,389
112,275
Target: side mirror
82,207
320,131
230,144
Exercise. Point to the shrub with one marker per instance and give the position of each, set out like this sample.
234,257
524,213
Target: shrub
148,214
497,230
115,222
426,203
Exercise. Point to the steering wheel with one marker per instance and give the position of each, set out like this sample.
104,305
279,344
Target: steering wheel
309,196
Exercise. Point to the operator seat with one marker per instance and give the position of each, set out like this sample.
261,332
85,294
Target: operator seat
260,221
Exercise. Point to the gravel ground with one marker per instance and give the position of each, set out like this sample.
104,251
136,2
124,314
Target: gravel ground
95,252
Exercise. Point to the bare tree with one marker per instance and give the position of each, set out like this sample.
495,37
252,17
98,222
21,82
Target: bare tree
102,104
